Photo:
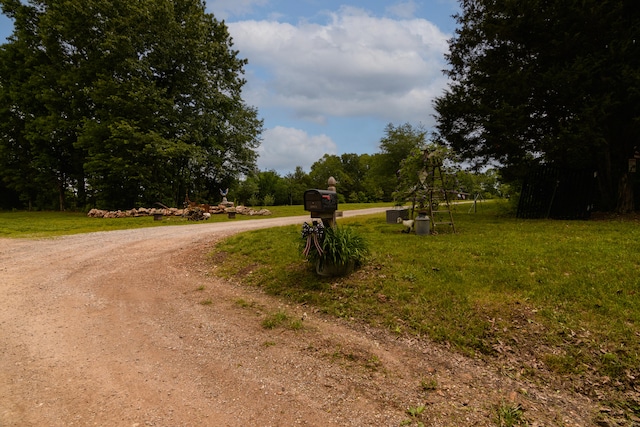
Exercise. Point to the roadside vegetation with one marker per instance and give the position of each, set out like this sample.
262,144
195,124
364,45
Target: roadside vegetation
550,301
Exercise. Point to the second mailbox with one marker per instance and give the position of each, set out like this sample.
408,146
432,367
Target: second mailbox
320,201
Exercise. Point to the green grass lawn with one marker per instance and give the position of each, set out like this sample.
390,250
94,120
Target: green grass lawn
548,299
50,224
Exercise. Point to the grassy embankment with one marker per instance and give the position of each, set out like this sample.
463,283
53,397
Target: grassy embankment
547,299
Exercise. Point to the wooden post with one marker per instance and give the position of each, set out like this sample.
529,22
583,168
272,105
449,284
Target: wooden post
331,222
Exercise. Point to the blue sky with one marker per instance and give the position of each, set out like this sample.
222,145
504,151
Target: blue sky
327,76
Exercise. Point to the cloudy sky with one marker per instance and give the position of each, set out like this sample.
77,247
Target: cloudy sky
327,76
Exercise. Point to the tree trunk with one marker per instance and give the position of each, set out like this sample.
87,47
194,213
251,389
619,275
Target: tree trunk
625,194
61,197
82,192
61,189
607,199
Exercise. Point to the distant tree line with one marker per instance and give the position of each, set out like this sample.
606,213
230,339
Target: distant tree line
362,178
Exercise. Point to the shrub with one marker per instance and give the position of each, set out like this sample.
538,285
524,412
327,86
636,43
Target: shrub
253,200
269,200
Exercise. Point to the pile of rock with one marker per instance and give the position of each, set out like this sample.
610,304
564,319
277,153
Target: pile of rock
243,210
99,213
213,210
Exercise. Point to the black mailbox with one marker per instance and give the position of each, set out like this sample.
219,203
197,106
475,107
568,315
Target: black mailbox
320,201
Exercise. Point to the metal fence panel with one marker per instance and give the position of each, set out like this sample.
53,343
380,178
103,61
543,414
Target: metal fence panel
552,192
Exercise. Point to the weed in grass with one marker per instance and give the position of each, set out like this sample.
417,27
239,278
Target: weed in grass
207,301
275,320
429,384
282,319
295,325
245,304
509,414
408,276
268,344
356,358
339,354
611,365
200,288
415,412
561,363
373,363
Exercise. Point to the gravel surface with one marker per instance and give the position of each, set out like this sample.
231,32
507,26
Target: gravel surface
110,329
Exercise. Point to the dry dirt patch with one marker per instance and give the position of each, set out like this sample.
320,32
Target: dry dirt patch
109,329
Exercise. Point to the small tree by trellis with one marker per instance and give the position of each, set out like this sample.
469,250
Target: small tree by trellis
415,177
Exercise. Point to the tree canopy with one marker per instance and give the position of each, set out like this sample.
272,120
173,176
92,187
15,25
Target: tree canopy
547,81
121,103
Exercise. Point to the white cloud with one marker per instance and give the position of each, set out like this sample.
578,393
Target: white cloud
284,148
353,65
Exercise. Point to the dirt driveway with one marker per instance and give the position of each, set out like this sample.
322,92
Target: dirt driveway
109,329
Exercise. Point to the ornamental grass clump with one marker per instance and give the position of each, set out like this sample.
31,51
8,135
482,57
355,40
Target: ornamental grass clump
333,246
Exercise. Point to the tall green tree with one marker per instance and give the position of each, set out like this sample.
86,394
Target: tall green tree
547,81
126,102
272,185
329,165
297,183
37,158
357,167
398,143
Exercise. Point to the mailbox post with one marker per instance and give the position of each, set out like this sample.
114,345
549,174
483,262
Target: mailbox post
323,204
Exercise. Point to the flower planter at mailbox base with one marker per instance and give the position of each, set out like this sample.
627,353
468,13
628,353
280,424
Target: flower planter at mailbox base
331,270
